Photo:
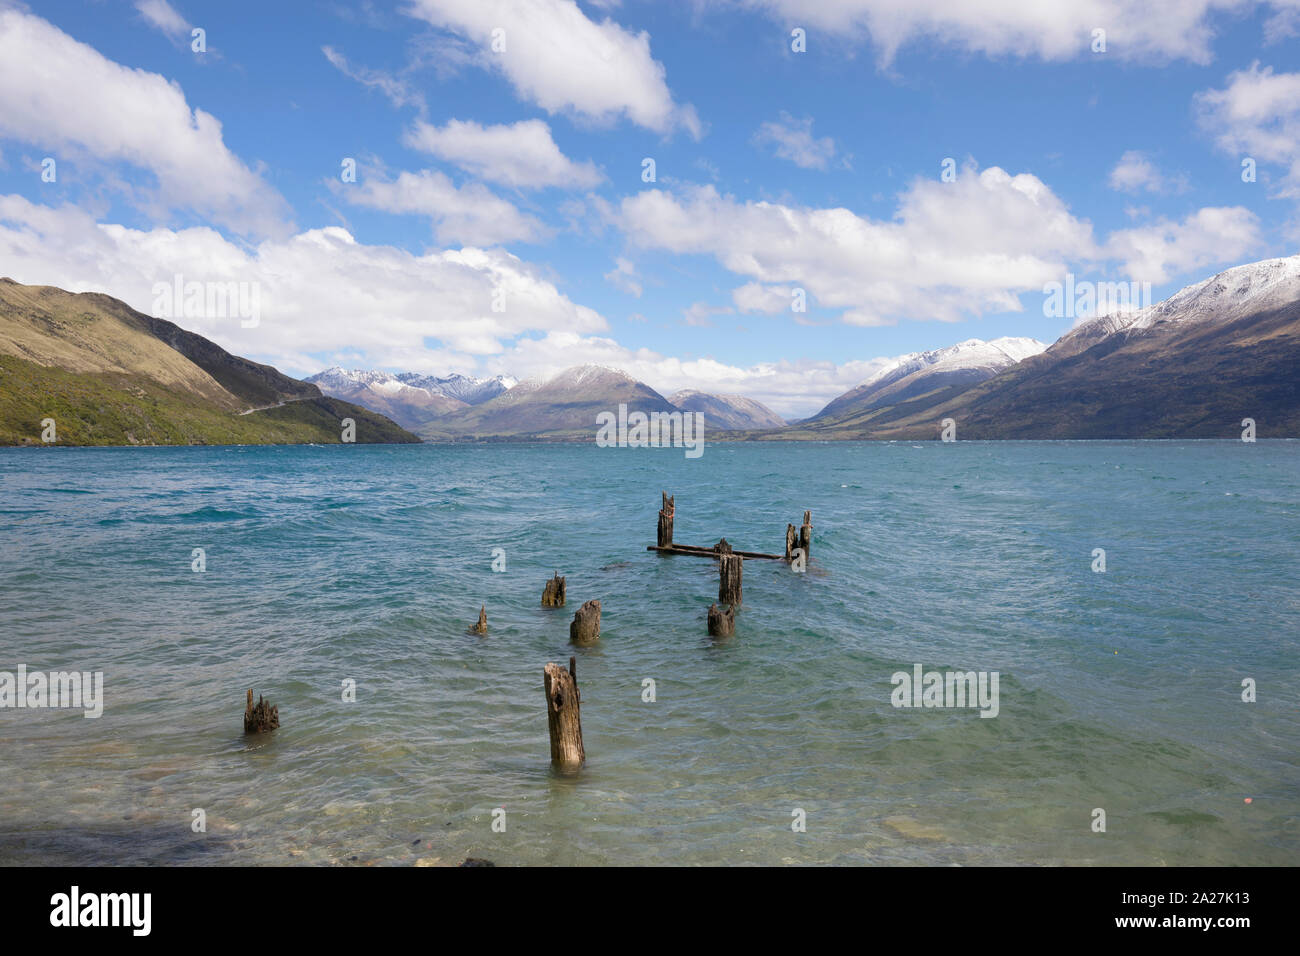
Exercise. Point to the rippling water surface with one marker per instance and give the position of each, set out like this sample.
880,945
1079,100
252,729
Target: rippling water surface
1119,691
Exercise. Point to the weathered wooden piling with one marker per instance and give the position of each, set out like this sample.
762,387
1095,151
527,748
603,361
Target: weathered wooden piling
791,541
665,536
805,535
730,568
722,623
481,626
722,547
553,593
585,628
563,714
260,718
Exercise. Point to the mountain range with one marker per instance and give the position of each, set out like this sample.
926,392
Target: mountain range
1193,366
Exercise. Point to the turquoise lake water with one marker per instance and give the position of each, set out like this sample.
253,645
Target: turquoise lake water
1118,690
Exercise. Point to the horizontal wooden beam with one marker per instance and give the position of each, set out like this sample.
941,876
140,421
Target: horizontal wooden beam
692,550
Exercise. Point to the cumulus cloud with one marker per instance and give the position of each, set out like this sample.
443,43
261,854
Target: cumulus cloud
522,155
953,249
1157,253
1043,29
558,58
68,97
623,276
1135,172
470,214
1257,115
794,141
321,291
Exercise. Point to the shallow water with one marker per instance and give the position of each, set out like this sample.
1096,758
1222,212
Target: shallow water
1118,690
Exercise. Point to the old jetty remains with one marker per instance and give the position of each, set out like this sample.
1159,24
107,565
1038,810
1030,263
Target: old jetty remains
481,626
585,627
563,716
260,718
801,538
553,593
721,623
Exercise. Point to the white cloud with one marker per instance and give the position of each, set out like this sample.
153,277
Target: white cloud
397,90
755,297
163,16
321,291
698,314
1164,250
623,276
1257,115
522,155
67,97
1043,29
953,249
564,62
1136,172
470,214
794,141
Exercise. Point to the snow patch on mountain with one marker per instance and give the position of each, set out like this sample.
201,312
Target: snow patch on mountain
1232,294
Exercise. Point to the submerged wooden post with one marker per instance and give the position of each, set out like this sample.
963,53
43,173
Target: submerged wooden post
481,626
585,628
563,716
665,535
730,569
805,535
553,593
261,718
722,623
791,540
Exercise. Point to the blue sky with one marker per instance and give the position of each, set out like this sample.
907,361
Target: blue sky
520,170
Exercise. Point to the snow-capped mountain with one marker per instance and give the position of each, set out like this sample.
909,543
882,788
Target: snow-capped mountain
471,391
964,364
400,397
1249,289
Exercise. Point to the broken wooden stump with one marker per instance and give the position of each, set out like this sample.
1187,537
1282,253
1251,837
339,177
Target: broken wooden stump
553,593
805,535
729,573
723,548
585,627
722,623
563,717
481,626
261,718
791,541
665,535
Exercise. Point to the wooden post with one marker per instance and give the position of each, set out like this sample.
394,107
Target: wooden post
553,593
722,547
481,626
722,623
563,716
730,569
666,521
261,718
585,628
805,535
791,540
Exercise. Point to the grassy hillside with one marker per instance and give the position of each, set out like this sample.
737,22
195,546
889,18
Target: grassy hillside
115,409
